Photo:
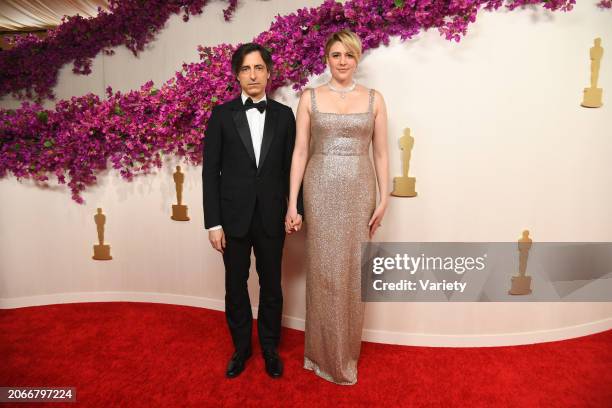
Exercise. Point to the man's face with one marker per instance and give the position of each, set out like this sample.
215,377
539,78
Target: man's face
253,75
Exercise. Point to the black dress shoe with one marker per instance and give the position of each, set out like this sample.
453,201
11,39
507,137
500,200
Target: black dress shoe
236,364
274,364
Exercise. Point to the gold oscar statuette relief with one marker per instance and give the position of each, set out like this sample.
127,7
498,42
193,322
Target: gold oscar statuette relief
521,284
179,211
404,186
593,96
102,250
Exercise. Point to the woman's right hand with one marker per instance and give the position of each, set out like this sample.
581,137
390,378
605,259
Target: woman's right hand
291,220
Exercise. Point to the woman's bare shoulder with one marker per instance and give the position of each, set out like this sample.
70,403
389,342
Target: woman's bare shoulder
305,99
379,101
306,95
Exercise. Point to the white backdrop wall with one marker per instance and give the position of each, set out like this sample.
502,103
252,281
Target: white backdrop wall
501,145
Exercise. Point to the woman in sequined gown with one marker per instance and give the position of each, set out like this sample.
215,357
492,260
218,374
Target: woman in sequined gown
338,122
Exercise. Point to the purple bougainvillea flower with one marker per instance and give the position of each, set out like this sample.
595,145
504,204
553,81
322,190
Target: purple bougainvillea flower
131,131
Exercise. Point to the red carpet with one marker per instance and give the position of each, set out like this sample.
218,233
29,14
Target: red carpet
155,355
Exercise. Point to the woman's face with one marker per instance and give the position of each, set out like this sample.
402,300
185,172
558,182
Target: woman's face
342,62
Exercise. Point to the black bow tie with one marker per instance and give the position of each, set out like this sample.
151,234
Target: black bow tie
261,105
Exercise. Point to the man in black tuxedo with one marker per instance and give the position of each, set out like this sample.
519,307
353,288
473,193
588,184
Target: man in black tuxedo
247,160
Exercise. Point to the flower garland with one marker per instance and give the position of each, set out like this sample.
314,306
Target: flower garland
133,130
29,69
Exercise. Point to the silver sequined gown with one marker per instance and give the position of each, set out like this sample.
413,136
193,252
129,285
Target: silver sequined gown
339,199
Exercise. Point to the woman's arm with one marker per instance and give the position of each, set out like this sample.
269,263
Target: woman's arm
300,154
381,160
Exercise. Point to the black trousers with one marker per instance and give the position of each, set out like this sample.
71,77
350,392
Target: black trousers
268,258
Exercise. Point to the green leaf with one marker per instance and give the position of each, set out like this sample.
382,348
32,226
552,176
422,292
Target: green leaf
399,3
214,99
48,143
42,116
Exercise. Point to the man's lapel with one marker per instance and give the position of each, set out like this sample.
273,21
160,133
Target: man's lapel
242,126
268,133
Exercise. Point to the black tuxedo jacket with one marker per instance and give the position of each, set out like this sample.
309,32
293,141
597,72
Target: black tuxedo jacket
231,179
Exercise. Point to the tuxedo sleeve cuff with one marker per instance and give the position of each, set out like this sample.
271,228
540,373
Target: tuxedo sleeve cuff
216,227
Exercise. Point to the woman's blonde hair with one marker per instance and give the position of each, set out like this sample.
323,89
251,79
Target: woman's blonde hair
349,39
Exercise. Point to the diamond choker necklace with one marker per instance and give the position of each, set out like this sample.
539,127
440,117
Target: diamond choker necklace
342,91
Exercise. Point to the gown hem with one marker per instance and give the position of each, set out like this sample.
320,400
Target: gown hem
314,367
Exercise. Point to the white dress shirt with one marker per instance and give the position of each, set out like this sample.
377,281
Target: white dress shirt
256,121
256,125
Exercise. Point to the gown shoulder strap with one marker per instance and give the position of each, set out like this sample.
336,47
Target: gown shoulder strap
371,101
313,100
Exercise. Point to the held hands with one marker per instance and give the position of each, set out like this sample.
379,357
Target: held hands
217,239
376,219
293,221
